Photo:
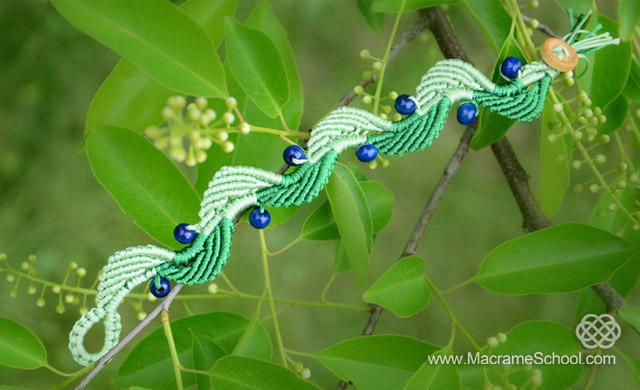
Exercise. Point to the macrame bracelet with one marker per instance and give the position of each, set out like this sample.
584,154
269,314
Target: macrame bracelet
233,189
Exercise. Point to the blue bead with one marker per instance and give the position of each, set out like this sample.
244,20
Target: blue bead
161,291
293,152
467,113
405,105
184,235
259,219
367,153
510,67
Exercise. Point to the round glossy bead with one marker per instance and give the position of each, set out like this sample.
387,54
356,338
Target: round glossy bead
293,152
184,235
467,113
162,290
367,153
510,67
259,219
405,105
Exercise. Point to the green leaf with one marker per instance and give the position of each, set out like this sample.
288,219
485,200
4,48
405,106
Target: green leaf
555,162
409,5
218,334
257,66
351,213
376,362
146,185
493,19
632,89
402,287
617,221
205,354
623,281
628,17
435,376
374,19
129,97
530,337
493,126
170,46
341,261
634,366
320,225
262,18
631,316
612,60
559,259
20,347
616,114
241,373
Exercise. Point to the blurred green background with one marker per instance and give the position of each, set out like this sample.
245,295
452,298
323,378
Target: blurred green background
51,206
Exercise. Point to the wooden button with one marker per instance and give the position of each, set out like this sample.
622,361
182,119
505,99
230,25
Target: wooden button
564,61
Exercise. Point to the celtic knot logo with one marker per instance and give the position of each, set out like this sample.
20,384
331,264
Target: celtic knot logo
595,331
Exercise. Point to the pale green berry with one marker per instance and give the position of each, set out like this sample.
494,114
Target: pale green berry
191,159
210,114
386,109
222,136
393,95
231,103
204,143
228,118
385,163
56,289
636,227
228,146
358,90
25,266
577,135
194,114
201,156
502,338
621,184
81,272
161,143
13,293
612,207
178,153
578,188
594,120
383,116
587,102
582,96
534,23
534,4
367,100
605,139
32,258
373,164
3,257
623,166
202,102
557,107
83,310
552,138
634,177
60,308
576,164
366,75
151,297
40,302
31,290
213,288
168,113
10,278
204,120
594,188
602,119
396,117
587,113
305,373
364,53
601,158
582,120
177,102
69,298
597,111
492,342
244,128
377,65
141,315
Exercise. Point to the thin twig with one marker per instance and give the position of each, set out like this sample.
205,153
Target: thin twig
400,44
543,28
164,305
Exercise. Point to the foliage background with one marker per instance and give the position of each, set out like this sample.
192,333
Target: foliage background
51,206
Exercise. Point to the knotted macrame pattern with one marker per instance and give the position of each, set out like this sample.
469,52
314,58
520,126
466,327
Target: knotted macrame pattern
233,189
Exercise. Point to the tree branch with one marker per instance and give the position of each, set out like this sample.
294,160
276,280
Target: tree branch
404,39
515,174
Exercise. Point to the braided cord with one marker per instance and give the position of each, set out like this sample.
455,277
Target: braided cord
233,189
